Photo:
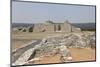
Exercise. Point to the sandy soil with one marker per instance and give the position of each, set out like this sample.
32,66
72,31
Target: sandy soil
19,40
85,54
18,43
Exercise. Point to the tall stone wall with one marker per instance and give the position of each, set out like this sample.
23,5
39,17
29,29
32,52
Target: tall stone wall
75,29
67,27
49,26
38,27
56,27
43,28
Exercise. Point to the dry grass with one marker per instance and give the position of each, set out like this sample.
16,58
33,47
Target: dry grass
34,35
18,43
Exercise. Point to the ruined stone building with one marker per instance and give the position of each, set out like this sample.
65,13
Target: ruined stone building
50,26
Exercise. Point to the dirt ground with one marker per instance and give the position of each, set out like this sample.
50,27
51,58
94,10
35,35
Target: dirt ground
19,40
85,54
18,43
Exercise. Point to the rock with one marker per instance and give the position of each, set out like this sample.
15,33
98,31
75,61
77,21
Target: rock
54,39
44,40
80,43
34,59
58,44
69,58
92,40
73,40
24,57
47,47
64,52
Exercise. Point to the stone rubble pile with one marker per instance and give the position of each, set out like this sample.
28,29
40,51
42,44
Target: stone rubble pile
55,44
59,44
73,40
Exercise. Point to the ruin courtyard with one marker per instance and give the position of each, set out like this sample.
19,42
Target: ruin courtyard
51,42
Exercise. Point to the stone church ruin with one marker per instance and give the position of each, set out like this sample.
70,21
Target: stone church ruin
48,26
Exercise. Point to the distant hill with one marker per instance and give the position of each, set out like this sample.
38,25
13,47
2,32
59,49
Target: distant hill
83,26
21,24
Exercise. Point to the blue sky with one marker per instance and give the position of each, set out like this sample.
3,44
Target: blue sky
25,12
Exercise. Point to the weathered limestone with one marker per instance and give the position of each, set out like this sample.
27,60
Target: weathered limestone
65,53
73,40
24,57
92,39
50,26
75,29
57,44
